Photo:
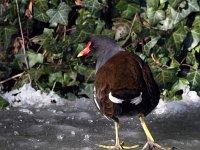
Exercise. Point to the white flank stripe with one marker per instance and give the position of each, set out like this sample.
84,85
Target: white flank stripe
114,99
95,99
137,100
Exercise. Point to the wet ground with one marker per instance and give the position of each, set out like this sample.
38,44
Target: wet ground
79,126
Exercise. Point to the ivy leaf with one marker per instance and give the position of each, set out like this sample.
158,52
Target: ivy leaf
40,15
151,44
59,15
177,38
55,77
190,59
43,4
46,36
155,16
69,79
194,78
178,16
196,22
34,58
174,63
179,85
6,34
165,76
87,90
195,33
130,11
153,3
94,5
3,103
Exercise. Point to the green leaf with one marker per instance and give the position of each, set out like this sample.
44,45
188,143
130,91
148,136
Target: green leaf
151,44
6,34
45,37
87,90
130,11
196,22
100,26
42,4
59,15
69,79
3,103
34,58
174,3
175,42
94,5
179,35
195,32
174,63
40,8
178,16
165,76
155,16
40,15
180,84
190,59
153,3
194,78
55,77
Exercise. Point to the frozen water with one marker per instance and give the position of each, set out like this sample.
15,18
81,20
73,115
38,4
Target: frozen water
39,124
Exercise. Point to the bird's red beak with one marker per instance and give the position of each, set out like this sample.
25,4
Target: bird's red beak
85,51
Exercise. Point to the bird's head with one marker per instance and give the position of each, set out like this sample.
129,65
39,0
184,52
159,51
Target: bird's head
99,45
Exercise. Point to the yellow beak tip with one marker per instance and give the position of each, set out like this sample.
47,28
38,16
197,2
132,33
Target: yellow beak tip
79,55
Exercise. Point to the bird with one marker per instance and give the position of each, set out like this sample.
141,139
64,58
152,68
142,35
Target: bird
124,86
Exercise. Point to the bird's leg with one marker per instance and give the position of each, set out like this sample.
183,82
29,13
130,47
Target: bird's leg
150,140
118,145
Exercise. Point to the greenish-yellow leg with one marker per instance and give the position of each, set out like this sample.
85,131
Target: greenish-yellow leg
118,145
150,140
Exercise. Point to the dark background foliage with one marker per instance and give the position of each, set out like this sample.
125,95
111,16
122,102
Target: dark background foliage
165,33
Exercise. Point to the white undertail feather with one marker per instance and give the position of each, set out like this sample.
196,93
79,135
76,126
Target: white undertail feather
137,100
114,99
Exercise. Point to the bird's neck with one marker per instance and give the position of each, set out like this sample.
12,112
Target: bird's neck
103,58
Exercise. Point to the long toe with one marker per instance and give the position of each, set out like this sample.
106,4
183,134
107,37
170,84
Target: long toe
155,146
118,147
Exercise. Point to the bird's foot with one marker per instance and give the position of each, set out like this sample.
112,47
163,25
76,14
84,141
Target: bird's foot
155,146
118,146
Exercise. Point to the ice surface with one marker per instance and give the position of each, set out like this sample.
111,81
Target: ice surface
39,124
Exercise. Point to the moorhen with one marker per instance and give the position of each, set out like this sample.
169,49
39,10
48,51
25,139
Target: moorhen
124,85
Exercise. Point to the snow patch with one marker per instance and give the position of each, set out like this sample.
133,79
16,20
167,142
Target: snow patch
190,99
28,96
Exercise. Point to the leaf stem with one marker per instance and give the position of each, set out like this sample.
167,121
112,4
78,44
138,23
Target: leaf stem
22,36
